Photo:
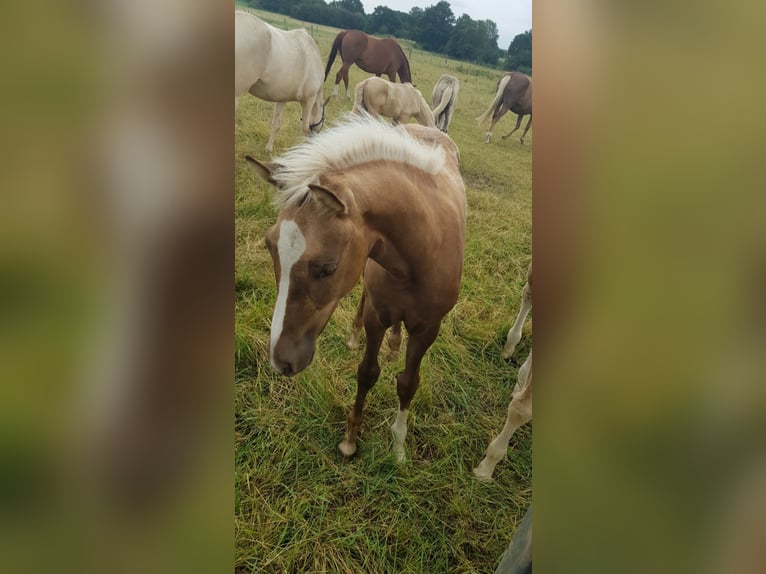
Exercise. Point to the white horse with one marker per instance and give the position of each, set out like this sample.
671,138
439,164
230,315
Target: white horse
520,407
278,66
397,101
444,98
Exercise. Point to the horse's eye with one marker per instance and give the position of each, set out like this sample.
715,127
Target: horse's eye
322,271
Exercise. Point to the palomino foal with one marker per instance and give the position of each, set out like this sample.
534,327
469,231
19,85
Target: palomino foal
520,407
399,102
366,196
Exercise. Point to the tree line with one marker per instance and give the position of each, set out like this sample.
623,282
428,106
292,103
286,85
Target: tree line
434,29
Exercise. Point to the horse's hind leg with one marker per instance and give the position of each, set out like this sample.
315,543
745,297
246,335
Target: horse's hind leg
519,412
514,333
342,75
526,129
366,376
499,113
278,107
408,380
518,125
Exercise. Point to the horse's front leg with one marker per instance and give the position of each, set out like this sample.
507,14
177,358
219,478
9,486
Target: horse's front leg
518,125
408,380
366,376
278,108
306,107
526,129
519,412
514,333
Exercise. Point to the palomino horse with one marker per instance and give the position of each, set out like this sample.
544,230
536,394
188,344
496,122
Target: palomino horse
397,101
280,67
368,197
514,92
444,98
374,55
520,407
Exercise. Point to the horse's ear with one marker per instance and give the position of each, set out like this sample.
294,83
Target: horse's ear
329,199
262,169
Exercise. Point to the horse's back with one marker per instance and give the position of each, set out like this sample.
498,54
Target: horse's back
278,65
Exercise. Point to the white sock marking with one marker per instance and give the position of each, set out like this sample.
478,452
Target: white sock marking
290,247
399,429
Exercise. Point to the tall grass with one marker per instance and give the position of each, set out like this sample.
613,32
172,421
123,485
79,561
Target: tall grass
299,506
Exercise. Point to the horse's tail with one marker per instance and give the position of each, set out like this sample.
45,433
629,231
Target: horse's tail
496,101
445,100
359,106
428,116
333,51
405,77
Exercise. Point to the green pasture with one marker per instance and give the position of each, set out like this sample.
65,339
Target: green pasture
299,506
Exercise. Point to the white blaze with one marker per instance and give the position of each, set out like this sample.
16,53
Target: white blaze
290,247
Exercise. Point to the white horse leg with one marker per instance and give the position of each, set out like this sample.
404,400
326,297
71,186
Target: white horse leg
519,412
278,107
514,333
399,430
335,91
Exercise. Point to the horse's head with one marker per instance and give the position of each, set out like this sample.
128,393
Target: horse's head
318,114
318,251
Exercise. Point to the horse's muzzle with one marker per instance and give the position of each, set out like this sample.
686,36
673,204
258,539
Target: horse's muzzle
289,360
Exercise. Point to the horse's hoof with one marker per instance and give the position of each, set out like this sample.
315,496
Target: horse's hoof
347,449
482,475
401,457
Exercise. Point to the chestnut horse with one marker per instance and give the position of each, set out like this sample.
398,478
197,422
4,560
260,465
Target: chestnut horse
514,93
374,55
368,197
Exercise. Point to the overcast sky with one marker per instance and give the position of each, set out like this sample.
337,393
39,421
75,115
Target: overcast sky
511,16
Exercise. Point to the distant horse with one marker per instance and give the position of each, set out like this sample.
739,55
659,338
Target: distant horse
397,101
280,67
368,197
374,55
444,98
520,407
514,92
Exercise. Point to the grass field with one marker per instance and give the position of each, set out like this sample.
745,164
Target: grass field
299,506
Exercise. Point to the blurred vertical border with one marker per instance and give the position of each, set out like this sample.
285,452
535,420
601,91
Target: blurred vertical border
649,219
116,292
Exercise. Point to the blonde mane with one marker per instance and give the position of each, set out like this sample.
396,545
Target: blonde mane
355,140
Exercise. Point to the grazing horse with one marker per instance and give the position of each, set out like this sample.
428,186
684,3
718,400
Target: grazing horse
374,55
280,67
368,197
514,92
444,98
520,407
397,101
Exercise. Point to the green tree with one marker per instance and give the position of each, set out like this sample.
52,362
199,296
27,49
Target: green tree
384,20
354,6
435,26
519,55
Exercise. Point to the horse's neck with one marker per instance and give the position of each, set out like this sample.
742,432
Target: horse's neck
399,230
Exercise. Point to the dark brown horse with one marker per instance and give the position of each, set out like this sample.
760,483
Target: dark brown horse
514,93
374,55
